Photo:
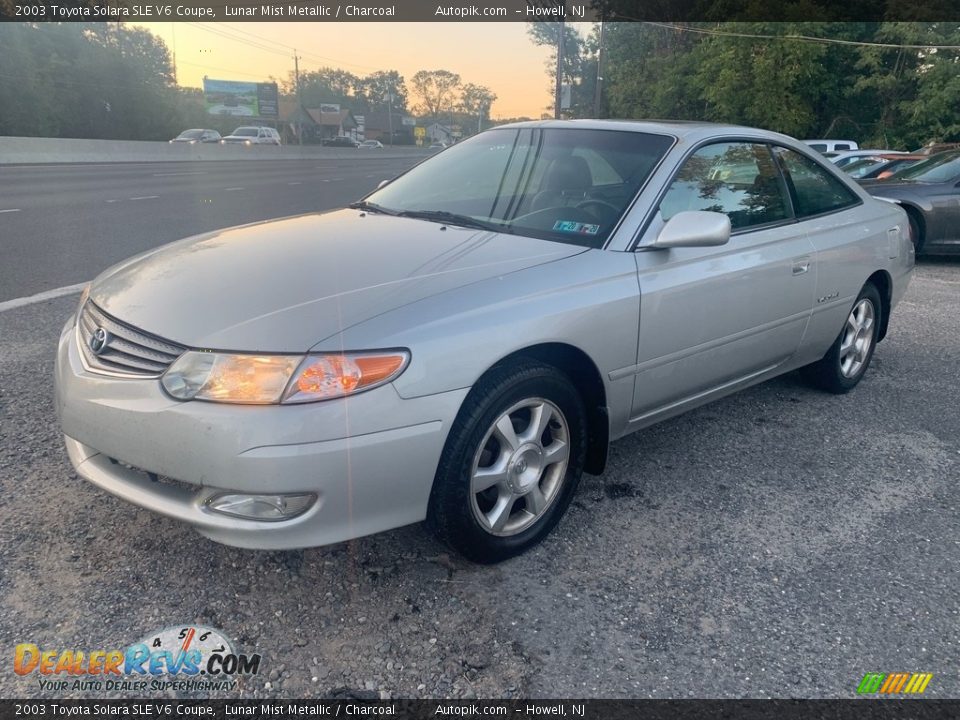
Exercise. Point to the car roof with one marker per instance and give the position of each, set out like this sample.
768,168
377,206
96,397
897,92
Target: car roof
692,130
868,151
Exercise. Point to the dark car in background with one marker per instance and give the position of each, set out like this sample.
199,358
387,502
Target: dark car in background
341,141
930,193
197,135
882,166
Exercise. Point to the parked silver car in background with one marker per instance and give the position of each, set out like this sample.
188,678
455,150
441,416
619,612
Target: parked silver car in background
459,346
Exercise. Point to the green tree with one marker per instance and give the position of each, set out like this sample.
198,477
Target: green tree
547,34
86,80
437,90
326,85
378,85
475,103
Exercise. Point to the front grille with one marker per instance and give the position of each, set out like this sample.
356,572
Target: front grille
183,487
127,352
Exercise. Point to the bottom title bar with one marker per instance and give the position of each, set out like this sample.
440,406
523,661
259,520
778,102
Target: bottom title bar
516,709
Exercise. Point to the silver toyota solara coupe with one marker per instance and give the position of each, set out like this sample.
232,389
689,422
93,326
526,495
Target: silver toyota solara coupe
462,344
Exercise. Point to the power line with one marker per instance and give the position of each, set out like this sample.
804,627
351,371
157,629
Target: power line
258,43
211,67
796,37
220,33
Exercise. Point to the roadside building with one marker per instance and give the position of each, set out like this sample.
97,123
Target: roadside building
314,124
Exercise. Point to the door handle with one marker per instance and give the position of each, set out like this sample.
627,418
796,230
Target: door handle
801,266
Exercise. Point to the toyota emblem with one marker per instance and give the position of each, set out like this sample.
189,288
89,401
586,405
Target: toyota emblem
99,340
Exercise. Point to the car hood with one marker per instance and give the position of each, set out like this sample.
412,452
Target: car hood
284,285
896,188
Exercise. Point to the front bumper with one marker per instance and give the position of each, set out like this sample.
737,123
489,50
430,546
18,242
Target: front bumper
369,459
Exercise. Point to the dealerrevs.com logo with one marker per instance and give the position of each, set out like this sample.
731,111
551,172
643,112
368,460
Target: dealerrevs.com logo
190,658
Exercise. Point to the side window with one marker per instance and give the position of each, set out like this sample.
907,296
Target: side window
815,190
738,179
819,147
841,146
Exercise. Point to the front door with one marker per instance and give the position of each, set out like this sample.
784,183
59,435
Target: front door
712,317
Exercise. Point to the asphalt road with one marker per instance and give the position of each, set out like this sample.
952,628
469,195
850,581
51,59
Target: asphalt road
780,542
62,224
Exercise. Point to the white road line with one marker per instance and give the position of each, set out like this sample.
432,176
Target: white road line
229,189
40,297
114,200
145,197
295,183
10,210
175,174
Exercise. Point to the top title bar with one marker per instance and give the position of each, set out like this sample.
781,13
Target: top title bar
496,11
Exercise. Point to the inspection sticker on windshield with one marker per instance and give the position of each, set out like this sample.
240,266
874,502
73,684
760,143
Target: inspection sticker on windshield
575,227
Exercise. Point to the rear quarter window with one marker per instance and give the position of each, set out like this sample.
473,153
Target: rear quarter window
815,190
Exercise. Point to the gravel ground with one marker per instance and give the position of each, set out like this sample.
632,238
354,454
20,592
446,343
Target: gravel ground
781,542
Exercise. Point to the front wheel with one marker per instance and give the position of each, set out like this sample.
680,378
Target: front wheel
846,362
511,463
916,237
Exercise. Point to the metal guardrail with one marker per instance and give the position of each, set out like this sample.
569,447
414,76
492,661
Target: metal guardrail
32,150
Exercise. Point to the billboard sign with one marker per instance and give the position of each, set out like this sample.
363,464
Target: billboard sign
267,100
241,99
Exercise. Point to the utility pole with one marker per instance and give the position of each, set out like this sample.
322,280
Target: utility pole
598,97
559,88
296,75
173,31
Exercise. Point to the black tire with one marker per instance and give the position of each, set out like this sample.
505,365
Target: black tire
828,373
454,507
916,235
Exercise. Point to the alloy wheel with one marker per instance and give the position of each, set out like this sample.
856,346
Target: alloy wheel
857,338
519,468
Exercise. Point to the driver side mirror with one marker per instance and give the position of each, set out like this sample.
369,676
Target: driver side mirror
382,183
694,228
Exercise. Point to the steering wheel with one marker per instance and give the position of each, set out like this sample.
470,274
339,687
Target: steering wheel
603,204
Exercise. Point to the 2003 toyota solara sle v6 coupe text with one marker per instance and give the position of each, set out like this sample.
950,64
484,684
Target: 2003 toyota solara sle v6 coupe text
459,346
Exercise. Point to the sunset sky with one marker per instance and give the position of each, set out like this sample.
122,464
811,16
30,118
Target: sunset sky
498,55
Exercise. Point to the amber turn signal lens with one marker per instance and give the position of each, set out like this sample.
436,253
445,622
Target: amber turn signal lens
324,377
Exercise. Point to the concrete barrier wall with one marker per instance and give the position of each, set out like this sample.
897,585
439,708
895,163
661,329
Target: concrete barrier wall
33,150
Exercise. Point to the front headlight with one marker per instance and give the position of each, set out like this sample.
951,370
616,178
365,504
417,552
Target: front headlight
272,379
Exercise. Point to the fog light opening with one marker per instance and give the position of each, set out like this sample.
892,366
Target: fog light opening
265,508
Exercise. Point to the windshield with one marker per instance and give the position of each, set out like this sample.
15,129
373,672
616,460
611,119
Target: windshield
568,185
863,166
940,168
191,134
246,132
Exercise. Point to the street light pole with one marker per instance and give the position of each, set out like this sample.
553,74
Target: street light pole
598,96
559,87
390,116
296,73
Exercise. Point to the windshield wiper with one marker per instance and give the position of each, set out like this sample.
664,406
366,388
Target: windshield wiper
452,219
372,207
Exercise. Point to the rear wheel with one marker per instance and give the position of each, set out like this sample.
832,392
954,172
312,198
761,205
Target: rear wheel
511,464
845,363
